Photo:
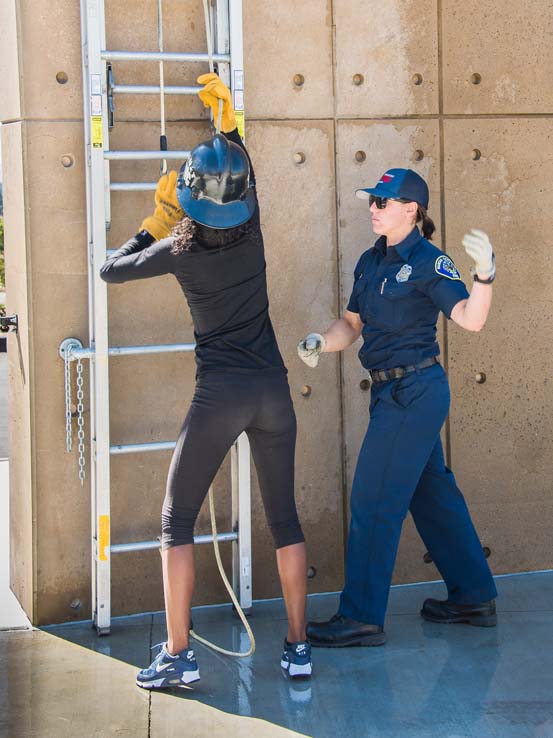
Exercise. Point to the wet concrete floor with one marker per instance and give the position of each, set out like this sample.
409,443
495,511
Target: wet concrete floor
428,681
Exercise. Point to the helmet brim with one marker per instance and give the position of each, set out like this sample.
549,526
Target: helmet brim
212,214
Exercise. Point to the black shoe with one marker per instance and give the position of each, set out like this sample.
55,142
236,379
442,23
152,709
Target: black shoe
444,611
341,631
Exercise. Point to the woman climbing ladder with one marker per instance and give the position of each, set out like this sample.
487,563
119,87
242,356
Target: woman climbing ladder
206,231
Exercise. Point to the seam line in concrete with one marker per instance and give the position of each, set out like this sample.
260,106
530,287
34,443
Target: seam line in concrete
441,144
300,119
341,370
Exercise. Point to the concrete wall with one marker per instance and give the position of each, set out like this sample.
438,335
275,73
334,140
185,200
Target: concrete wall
416,105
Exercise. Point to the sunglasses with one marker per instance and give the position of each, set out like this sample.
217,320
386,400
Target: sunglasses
381,202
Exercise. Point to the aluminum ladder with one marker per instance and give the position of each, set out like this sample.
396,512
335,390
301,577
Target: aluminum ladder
98,93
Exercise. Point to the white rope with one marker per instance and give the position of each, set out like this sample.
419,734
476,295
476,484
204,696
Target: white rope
232,595
209,37
163,138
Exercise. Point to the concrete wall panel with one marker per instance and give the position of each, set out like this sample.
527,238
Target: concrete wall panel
56,265
386,58
62,505
57,193
10,102
49,36
297,206
18,301
282,42
501,430
506,43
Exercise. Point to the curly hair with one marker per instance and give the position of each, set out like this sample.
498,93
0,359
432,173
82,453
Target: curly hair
188,232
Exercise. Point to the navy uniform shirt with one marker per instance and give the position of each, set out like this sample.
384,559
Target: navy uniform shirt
398,293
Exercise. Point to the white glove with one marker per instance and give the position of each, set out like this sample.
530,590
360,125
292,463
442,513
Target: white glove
478,247
310,348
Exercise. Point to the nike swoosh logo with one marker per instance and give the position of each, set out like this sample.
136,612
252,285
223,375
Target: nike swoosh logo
161,667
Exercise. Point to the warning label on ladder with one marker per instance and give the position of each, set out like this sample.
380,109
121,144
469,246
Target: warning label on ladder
240,123
103,536
97,131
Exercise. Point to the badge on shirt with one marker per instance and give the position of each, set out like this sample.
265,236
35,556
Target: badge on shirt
446,268
404,273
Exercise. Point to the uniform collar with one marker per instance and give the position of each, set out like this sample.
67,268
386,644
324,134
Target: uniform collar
403,248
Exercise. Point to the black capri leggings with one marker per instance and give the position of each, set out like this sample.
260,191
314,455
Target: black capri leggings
223,406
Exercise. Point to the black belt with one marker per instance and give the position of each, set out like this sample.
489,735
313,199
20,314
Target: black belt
385,375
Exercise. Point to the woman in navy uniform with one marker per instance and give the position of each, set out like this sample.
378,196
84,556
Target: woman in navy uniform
401,285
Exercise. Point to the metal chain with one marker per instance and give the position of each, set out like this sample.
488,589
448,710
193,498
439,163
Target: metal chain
68,433
80,421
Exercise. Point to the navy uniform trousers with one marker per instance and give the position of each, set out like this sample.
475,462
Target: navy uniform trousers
400,468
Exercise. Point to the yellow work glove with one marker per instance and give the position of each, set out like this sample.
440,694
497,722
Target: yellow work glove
214,90
168,212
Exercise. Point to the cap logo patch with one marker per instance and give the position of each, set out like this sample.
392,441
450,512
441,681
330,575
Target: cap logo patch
386,178
446,268
404,273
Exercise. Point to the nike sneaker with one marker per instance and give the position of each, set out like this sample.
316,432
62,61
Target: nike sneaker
296,659
169,671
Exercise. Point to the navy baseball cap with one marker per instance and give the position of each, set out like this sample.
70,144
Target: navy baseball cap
399,183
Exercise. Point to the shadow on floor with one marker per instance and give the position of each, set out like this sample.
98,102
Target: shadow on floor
429,681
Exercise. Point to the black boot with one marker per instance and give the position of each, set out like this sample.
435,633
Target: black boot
444,611
341,631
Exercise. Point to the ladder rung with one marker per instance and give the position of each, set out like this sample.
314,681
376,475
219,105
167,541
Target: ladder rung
133,186
163,348
154,89
167,348
161,56
138,448
138,155
147,545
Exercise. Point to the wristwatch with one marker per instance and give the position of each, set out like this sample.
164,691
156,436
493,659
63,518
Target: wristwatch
490,279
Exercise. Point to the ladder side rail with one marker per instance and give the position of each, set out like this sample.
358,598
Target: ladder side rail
96,125
88,195
240,459
222,39
241,521
236,30
240,474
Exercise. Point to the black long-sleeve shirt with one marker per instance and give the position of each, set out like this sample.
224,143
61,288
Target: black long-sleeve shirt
225,288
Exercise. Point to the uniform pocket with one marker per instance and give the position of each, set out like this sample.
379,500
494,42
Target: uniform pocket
397,290
391,306
404,392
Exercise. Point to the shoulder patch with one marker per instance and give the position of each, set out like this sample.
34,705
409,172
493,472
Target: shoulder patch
446,268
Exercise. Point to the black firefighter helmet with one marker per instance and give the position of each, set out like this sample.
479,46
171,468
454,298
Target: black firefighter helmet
213,185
